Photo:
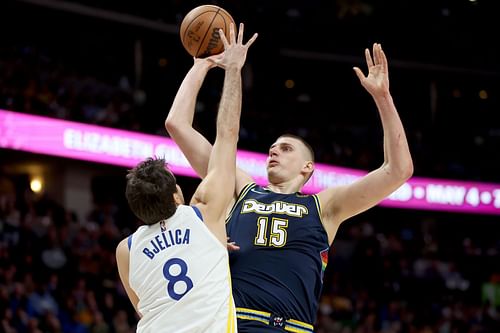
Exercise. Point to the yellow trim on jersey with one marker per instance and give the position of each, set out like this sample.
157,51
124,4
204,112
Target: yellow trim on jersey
248,317
231,327
291,325
318,205
243,193
231,320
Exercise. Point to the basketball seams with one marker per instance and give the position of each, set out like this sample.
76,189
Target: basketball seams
206,32
193,21
204,44
226,17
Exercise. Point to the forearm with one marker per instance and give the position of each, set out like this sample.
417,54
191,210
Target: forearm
396,150
228,119
179,122
182,111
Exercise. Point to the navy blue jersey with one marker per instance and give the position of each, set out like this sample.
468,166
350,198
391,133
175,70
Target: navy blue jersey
283,252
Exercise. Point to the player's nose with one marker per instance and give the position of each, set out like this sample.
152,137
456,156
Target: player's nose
273,151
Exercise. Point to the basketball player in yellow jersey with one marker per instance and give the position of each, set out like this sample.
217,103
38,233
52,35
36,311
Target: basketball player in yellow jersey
175,268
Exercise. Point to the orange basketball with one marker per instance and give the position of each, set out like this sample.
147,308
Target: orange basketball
200,30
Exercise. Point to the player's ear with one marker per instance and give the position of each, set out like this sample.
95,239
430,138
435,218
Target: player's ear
178,196
308,170
308,167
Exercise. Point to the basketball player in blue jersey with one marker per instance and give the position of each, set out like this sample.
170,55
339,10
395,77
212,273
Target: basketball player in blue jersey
284,235
175,268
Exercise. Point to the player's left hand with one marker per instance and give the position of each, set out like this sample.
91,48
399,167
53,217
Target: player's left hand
377,80
235,51
231,246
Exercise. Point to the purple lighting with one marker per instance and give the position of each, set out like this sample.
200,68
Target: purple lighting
73,140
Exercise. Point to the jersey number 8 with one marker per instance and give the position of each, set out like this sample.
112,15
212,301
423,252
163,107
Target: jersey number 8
175,279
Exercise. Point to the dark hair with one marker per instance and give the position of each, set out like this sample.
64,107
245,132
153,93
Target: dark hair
150,191
304,142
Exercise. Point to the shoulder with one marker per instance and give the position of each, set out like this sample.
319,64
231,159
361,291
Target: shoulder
327,197
194,209
329,202
122,249
245,189
248,186
242,180
311,201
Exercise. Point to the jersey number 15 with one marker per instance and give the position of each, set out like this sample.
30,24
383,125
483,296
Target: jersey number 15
278,234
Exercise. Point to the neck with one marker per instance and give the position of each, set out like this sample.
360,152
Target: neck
285,187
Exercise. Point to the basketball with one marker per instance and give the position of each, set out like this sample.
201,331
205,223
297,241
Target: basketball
199,30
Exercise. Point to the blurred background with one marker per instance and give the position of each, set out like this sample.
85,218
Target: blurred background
118,64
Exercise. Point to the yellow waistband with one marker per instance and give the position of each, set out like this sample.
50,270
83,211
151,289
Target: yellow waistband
290,325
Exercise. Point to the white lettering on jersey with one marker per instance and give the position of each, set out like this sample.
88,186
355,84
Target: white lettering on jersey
278,207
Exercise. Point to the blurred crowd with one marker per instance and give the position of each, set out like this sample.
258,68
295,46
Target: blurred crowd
390,271
34,83
58,274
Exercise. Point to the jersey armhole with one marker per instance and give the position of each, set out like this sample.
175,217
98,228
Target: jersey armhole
197,211
317,203
242,194
129,242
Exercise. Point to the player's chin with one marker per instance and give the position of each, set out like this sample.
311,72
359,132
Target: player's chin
271,168
273,173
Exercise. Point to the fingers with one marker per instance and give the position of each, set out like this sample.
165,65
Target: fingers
215,60
369,61
251,40
240,33
383,58
377,57
232,37
223,38
239,40
240,37
376,53
359,73
231,246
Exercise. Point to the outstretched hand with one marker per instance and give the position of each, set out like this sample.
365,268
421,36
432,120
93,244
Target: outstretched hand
235,52
377,80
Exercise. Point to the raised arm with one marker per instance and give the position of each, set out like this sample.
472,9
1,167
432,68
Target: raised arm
179,121
342,202
215,192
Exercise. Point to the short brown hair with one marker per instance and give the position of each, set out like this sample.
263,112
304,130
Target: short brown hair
150,189
304,142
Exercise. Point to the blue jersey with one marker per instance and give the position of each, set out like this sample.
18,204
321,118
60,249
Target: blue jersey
283,253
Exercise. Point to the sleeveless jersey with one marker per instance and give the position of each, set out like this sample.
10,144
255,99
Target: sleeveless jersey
283,253
180,272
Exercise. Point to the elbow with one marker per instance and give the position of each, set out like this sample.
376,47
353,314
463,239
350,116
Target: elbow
170,125
400,172
405,170
408,171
